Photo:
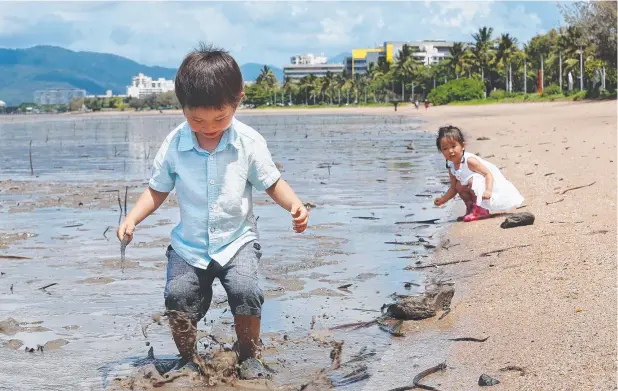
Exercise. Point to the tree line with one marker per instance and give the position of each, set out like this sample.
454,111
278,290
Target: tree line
585,49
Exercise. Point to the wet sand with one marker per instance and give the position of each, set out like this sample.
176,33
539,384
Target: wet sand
61,221
548,308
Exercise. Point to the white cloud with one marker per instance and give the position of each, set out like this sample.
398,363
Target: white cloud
163,32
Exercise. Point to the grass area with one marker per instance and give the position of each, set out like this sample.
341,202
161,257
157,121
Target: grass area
526,98
333,106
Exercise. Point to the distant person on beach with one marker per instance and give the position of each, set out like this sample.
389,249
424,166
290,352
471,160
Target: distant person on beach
214,161
416,104
479,183
426,104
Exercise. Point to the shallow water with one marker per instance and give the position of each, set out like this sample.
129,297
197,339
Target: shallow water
348,166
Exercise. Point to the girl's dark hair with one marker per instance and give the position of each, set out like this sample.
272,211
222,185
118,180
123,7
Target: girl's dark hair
451,132
208,77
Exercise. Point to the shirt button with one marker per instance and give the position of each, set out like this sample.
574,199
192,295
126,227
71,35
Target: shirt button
212,182
211,158
212,229
212,207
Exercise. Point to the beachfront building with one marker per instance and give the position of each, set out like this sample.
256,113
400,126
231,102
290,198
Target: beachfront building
429,52
361,59
143,86
308,64
58,96
308,59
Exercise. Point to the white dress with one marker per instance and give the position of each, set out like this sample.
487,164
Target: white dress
504,195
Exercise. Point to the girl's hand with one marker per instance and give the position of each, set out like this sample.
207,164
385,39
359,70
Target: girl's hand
487,194
438,201
125,230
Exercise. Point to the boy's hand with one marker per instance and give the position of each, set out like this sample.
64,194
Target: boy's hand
300,217
487,194
125,230
438,201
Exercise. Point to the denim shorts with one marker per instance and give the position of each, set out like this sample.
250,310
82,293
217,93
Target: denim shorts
189,289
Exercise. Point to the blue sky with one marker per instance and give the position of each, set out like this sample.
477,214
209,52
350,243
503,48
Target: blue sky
161,33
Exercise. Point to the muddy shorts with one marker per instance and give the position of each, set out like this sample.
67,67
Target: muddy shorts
189,289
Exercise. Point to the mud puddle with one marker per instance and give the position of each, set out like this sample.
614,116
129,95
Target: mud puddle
355,171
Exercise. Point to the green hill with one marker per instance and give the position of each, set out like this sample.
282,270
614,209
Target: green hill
23,71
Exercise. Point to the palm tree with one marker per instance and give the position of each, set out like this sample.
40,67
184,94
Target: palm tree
340,81
483,48
406,65
267,77
289,86
328,81
507,46
455,61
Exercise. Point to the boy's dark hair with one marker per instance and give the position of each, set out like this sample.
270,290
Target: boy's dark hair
451,132
208,77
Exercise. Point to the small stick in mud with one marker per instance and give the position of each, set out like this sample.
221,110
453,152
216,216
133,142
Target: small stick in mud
355,324
577,187
13,257
126,191
430,221
436,264
420,376
123,247
47,286
119,203
448,311
30,153
11,288
519,369
469,339
499,251
106,229
554,202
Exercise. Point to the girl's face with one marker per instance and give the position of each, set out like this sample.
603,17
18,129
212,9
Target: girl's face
452,149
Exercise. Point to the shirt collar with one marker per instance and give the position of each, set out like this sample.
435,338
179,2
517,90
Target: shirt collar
188,141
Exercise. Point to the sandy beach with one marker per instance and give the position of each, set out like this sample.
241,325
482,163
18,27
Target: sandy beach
548,308
544,294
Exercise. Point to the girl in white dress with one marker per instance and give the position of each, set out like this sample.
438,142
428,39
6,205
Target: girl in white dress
479,183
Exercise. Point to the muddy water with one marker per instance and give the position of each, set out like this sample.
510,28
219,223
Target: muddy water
362,173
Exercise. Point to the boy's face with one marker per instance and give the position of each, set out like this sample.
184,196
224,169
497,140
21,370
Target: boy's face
209,122
451,149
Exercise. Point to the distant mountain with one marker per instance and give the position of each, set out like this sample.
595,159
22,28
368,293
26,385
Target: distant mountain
339,58
23,71
42,67
250,71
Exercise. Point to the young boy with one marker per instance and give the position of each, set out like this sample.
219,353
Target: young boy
214,161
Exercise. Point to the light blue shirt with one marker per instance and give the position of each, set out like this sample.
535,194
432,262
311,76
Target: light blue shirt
214,190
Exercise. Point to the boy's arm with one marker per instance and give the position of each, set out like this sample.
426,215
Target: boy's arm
452,191
161,183
480,168
284,196
148,202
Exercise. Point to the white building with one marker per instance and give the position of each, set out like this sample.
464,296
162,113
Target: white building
143,86
60,96
428,51
108,94
308,59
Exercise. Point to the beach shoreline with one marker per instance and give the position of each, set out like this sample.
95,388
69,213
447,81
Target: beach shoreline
545,295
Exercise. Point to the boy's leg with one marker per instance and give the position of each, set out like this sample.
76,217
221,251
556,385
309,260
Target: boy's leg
240,280
188,292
